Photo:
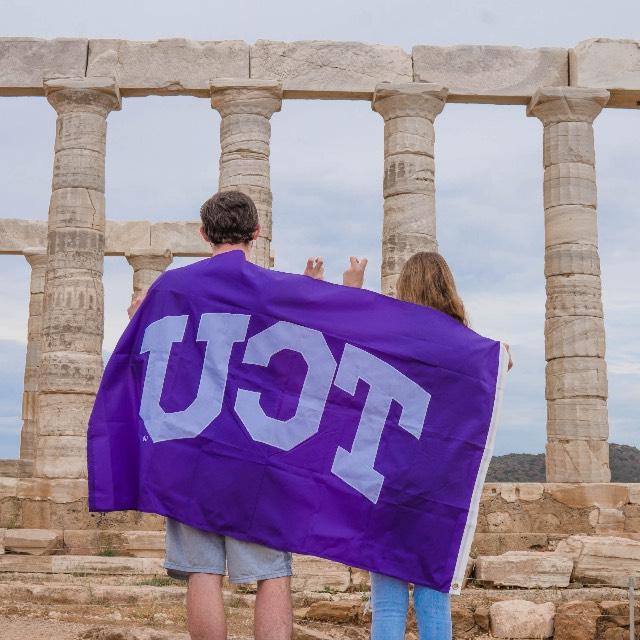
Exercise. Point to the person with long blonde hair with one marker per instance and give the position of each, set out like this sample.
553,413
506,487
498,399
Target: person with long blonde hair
425,279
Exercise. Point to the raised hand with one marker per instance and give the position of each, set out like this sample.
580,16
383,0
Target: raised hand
354,275
315,268
136,301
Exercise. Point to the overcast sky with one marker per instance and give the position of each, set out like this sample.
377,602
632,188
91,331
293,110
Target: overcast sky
327,158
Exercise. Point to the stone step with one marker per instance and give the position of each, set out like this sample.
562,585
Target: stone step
527,569
80,564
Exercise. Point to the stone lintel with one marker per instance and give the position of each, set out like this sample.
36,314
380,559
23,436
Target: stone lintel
23,237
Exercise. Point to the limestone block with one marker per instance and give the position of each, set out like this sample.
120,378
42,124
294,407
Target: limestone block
26,62
106,565
325,69
2,534
37,542
521,619
181,238
602,559
17,234
567,259
528,569
608,64
571,224
608,521
568,142
578,461
634,493
121,236
8,487
144,544
337,612
576,377
14,562
571,336
315,574
61,456
498,543
171,66
576,620
491,74
58,490
581,418
527,491
574,295
569,183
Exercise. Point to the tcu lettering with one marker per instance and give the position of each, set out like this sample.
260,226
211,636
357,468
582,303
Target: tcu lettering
221,330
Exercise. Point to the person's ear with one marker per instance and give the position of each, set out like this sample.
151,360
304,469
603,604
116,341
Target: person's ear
203,234
256,233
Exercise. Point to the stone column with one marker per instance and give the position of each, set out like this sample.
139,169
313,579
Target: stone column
147,265
72,321
409,225
576,377
37,259
246,107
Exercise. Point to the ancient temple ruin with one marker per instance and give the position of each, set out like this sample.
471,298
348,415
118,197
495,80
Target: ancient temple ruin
84,80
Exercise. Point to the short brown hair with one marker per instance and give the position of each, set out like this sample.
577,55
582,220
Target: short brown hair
427,280
229,217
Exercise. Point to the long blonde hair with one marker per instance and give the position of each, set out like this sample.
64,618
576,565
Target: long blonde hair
427,280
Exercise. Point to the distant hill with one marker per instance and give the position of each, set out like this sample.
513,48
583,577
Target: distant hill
529,467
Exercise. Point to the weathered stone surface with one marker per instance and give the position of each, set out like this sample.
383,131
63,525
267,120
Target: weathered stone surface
121,236
515,491
335,611
608,64
303,633
59,490
26,62
574,377
181,238
577,418
325,69
494,544
606,495
17,234
528,569
491,74
2,534
576,621
314,574
573,460
171,66
37,542
148,265
521,619
602,559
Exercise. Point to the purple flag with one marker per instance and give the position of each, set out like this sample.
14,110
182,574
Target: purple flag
301,415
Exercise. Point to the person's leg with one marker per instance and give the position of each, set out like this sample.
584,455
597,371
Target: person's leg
433,613
199,557
271,569
205,607
274,613
389,606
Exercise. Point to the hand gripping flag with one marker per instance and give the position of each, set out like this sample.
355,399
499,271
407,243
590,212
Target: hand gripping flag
301,415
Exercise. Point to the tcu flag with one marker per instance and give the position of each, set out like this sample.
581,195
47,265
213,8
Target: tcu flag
301,415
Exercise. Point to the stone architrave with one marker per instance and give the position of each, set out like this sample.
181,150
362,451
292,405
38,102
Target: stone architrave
409,226
72,321
147,265
246,107
37,259
576,378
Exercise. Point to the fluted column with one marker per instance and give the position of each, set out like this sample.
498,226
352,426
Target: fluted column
576,376
147,265
246,107
409,224
72,322
37,259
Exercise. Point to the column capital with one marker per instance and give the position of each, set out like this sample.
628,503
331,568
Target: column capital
567,104
35,256
417,99
257,97
85,94
146,258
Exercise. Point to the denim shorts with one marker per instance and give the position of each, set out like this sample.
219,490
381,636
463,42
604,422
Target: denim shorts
190,550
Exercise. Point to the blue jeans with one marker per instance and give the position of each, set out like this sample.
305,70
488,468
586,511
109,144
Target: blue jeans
390,603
